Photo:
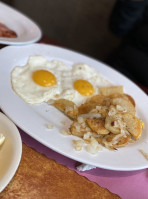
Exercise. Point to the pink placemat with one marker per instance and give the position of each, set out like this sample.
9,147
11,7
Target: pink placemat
128,185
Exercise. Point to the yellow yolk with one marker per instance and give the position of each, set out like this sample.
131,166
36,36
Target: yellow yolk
44,78
84,87
142,125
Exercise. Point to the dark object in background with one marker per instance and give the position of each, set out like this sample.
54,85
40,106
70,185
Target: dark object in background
129,20
6,32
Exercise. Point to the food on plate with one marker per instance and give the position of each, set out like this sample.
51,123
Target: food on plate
113,141
111,90
41,80
123,104
97,125
67,107
101,114
2,139
100,102
108,120
144,154
49,126
6,32
133,125
79,127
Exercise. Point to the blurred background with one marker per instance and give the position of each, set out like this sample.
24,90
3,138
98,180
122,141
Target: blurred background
81,25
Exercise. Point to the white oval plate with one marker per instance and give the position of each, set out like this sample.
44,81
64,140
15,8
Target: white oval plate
10,151
27,31
34,118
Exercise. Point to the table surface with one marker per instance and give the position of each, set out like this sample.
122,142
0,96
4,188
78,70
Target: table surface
43,173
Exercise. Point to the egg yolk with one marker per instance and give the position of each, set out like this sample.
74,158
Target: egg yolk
84,87
44,78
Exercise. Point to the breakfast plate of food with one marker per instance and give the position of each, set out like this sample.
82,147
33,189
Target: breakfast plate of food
75,105
16,28
10,150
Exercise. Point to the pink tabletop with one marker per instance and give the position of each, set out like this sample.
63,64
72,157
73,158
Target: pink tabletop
128,185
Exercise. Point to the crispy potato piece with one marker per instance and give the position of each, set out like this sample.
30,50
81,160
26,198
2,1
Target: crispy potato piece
125,96
91,104
124,103
75,131
99,140
100,99
122,141
117,140
67,107
133,125
128,121
98,110
130,99
108,118
106,91
97,125
102,110
78,129
110,123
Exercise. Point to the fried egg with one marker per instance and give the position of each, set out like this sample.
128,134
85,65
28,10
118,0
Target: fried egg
82,83
39,80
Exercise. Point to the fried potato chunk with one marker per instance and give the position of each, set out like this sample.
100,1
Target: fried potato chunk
130,99
100,99
124,121
126,105
102,110
125,96
97,125
106,91
113,141
67,107
92,103
133,125
79,128
107,119
112,123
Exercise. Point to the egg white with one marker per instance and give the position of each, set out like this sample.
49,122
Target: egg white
27,89
85,72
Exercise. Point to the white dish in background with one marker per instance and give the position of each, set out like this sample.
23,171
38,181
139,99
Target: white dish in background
10,151
27,31
34,118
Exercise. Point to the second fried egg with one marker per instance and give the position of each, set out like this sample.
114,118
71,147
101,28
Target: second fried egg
82,82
